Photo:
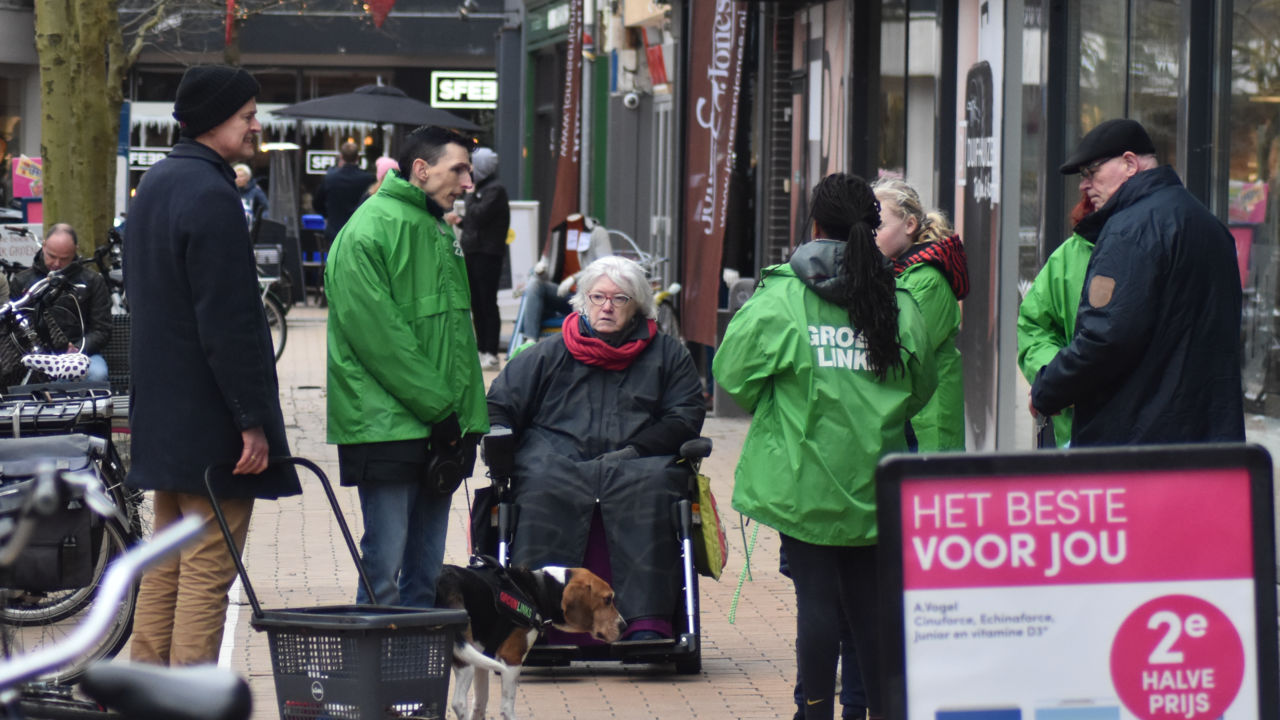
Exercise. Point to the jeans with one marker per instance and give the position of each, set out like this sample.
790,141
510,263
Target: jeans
403,544
541,302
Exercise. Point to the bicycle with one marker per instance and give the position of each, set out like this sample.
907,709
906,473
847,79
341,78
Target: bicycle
275,312
32,619
140,693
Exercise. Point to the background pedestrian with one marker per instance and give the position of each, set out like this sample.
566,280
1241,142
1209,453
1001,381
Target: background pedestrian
485,222
341,190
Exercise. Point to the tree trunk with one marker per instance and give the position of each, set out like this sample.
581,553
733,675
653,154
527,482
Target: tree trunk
82,67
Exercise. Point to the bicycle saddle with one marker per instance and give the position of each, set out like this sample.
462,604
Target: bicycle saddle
71,366
143,692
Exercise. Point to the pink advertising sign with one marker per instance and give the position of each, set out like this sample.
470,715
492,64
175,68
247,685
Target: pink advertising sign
1135,590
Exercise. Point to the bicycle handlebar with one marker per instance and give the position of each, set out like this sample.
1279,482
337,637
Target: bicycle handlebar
115,585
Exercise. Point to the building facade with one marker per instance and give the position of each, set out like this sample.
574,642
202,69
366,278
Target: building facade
976,102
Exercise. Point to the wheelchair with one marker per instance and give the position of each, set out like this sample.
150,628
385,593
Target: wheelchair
685,648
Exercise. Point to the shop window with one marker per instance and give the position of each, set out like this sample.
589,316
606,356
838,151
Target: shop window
10,126
1252,215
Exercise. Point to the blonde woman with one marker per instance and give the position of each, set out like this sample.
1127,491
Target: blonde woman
930,264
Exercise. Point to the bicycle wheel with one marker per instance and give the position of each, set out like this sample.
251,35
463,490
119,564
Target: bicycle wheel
30,628
275,321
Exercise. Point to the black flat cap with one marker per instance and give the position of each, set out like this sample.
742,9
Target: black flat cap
1112,138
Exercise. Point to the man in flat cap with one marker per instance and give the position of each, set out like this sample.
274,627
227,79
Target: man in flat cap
204,374
1155,356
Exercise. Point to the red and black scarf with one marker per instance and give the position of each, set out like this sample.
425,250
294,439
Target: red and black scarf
598,353
946,255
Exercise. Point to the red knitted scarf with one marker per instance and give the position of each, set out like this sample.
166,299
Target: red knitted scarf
598,353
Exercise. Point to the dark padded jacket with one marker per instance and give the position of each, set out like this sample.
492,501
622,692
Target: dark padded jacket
203,368
1157,362
339,195
484,229
90,304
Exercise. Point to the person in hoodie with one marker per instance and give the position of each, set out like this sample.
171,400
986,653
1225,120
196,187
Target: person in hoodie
252,197
484,223
931,265
832,359
1155,357
1047,316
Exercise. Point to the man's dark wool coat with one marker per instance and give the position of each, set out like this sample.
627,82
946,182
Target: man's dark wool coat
339,196
201,354
1156,352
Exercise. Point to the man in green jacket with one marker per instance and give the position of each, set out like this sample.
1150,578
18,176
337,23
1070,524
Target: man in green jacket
1047,318
405,391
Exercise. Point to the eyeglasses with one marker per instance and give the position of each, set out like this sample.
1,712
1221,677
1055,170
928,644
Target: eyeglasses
616,300
1088,171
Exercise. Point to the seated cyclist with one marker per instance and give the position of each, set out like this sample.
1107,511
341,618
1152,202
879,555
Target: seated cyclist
83,311
544,300
599,414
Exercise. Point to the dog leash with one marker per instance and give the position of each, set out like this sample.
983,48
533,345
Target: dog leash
748,548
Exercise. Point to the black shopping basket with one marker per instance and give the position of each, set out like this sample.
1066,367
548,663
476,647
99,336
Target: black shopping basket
353,662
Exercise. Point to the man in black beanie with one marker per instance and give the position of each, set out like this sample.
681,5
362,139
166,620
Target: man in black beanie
1155,356
204,379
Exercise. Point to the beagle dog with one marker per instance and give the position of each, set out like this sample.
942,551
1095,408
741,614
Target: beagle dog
508,608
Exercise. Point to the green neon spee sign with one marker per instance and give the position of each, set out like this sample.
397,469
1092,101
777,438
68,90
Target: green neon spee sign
464,89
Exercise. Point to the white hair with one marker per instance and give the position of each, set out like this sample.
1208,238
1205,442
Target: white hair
626,274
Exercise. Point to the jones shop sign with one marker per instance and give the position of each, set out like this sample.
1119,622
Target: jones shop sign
715,65
464,89
1113,586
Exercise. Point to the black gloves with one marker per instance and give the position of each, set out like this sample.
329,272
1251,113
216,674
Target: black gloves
446,432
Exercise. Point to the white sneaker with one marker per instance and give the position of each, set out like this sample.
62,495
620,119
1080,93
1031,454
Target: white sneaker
488,361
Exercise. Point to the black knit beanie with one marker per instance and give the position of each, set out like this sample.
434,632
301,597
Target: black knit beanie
209,94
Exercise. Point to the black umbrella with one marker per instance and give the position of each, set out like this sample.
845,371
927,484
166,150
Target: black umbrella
376,104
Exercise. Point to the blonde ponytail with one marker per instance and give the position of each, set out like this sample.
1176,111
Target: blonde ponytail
931,226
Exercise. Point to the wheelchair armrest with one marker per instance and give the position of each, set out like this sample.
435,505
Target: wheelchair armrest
697,448
498,450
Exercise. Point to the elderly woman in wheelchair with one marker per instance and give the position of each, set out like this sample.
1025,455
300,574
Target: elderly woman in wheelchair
599,415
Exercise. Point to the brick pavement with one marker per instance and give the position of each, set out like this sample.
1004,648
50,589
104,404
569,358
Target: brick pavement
296,558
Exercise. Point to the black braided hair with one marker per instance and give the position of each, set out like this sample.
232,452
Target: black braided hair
844,206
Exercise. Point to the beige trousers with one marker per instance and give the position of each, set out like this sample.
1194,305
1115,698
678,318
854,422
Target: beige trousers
182,605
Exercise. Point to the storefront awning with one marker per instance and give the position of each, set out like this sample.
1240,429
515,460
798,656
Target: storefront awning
158,117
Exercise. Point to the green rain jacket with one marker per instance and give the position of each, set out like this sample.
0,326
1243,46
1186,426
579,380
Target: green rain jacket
402,353
821,419
1047,318
937,276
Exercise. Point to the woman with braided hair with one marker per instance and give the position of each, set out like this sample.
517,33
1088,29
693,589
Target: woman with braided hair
832,360
931,265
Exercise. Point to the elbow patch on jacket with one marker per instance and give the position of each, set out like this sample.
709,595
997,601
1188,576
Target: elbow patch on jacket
1100,290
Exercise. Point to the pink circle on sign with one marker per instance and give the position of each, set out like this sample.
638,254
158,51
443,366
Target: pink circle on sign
1177,657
